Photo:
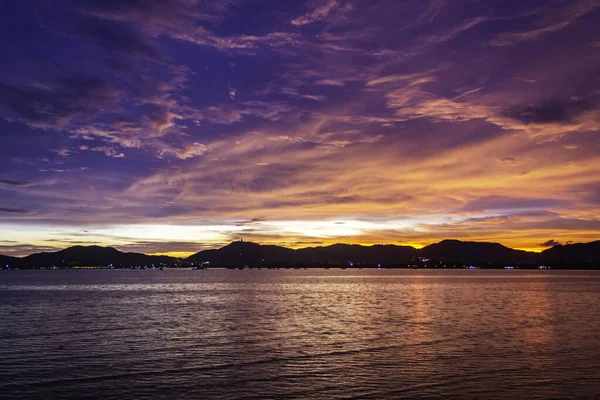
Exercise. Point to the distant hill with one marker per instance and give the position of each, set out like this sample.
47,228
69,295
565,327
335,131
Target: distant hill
92,256
573,253
475,252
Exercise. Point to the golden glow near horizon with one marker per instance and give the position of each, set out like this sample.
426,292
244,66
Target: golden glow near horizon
184,240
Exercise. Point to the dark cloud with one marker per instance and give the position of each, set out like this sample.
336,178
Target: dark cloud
11,182
550,243
156,14
249,178
20,250
57,102
505,202
13,210
569,224
120,39
250,221
343,200
552,111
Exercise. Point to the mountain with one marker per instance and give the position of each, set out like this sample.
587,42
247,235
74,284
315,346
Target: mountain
245,253
353,253
92,255
573,253
475,252
239,254
252,254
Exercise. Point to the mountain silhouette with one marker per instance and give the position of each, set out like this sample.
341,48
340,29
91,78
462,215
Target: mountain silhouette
246,253
252,254
573,253
91,256
240,254
353,253
475,252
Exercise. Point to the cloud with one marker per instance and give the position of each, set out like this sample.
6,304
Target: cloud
160,117
412,79
108,151
316,15
507,203
228,114
250,221
550,118
188,151
330,82
455,31
124,91
63,151
551,21
21,250
429,15
18,183
55,105
162,247
552,111
155,16
13,210
183,20
120,39
550,243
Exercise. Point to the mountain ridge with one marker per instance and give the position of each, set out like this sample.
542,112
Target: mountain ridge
88,256
449,252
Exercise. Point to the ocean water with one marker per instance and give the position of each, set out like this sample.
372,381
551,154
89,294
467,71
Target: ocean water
306,334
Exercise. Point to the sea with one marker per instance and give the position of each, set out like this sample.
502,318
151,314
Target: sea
299,334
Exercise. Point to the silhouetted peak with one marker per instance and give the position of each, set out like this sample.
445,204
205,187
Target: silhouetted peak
448,241
240,244
456,242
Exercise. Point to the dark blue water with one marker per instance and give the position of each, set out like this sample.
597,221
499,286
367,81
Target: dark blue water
283,334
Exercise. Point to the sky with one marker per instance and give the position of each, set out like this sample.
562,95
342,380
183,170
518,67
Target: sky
172,126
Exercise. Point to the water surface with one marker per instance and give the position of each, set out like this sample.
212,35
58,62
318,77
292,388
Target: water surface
282,334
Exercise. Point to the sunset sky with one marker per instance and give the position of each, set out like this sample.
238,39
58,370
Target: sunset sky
172,126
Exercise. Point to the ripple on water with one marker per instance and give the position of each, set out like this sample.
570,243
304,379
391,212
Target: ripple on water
299,334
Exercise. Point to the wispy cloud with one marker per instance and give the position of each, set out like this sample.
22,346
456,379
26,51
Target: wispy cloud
550,21
317,14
